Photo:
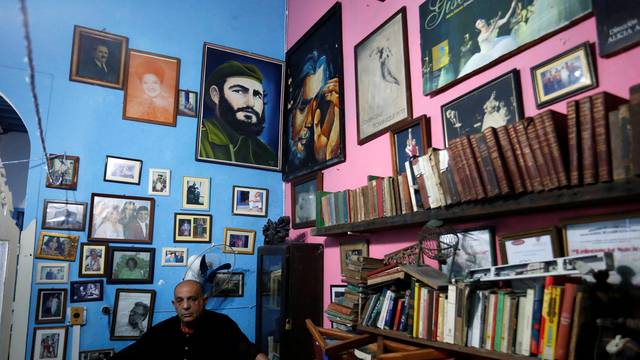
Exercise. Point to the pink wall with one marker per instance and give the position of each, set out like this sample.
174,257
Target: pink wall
359,18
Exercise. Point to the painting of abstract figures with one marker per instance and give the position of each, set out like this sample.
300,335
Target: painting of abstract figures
458,38
314,114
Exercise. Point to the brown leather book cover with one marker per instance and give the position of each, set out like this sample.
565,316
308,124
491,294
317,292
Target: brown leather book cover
634,114
457,166
621,142
536,151
573,140
603,103
421,180
530,160
483,161
555,127
498,162
472,168
564,325
519,155
587,142
510,159
447,175
404,193
543,140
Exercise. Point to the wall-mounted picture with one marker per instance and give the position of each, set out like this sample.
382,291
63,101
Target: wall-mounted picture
409,142
99,354
494,104
383,89
564,75
240,120
51,306
159,182
315,91
616,233
56,246
131,265
466,36
250,201
337,295
89,290
192,228
52,273
93,260
303,200
64,215
187,103
122,170
530,246
98,57
132,313
49,343
241,241
174,256
228,284
349,249
617,24
475,250
151,90
63,171
195,193
120,218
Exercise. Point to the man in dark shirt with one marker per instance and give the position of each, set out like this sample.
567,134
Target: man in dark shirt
195,333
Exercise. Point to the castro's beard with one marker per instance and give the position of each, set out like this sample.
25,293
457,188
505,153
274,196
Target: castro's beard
227,114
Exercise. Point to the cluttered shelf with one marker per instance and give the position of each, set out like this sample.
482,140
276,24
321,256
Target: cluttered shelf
475,352
598,194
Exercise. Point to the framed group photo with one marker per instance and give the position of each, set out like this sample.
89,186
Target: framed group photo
56,246
174,256
98,57
122,170
49,343
250,201
195,193
51,306
228,284
93,260
187,103
132,313
64,215
151,90
303,200
89,290
239,241
192,228
409,142
120,218
159,182
131,265
52,273
63,171
529,246
476,249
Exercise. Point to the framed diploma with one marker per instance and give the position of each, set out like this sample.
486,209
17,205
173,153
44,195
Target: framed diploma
616,233
534,245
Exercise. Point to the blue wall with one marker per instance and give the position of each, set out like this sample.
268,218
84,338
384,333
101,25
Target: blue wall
86,121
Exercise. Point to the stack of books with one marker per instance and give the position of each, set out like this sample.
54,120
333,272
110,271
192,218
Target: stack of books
357,268
345,310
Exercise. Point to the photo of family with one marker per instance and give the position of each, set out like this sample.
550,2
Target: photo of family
192,227
52,273
82,291
57,246
174,256
131,265
121,218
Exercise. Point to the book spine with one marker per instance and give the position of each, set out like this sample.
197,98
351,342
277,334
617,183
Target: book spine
545,147
536,150
410,307
621,143
380,197
536,318
456,166
376,312
573,139
428,315
555,127
384,309
499,322
551,327
520,161
433,169
399,308
489,182
416,309
442,302
436,315
391,310
491,322
546,298
589,173
601,134
530,161
472,166
634,115
566,314
510,159
415,199
497,161
575,328
405,311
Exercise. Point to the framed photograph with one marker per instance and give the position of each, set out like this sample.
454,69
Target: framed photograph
250,201
615,233
52,273
51,306
98,57
496,103
337,295
409,142
89,290
100,354
240,241
122,170
564,75
240,120
187,103
151,90
303,200
383,84
131,265
529,246
467,36
49,343
228,284
315,87
64,215
63,170
617,25
192,228
352,248
159,182
55,246
195,193
120,218
174,256
93,260
476,249
132,313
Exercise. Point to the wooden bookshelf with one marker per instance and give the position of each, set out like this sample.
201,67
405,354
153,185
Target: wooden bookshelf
472,352
598,194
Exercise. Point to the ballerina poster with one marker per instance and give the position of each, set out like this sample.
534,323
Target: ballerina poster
460,37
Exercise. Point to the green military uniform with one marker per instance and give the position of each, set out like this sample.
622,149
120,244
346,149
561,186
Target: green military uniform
219,142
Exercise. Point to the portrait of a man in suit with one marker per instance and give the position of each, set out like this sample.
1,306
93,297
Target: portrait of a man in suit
98,57
138,227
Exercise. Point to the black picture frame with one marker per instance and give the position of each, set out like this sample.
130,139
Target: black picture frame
86,291
188,103
47,311
319,48
132,167
617,25
101,207
228,284
64,215
303,200
476,249
96,354
142,260
399,138
56,338
125,306
467,114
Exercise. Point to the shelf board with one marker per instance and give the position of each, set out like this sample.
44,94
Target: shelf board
598,194
474,352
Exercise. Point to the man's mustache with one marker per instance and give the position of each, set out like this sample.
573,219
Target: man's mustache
248,109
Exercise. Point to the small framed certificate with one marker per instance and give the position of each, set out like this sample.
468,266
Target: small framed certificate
529,246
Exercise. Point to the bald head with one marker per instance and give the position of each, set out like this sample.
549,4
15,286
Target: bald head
189,301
